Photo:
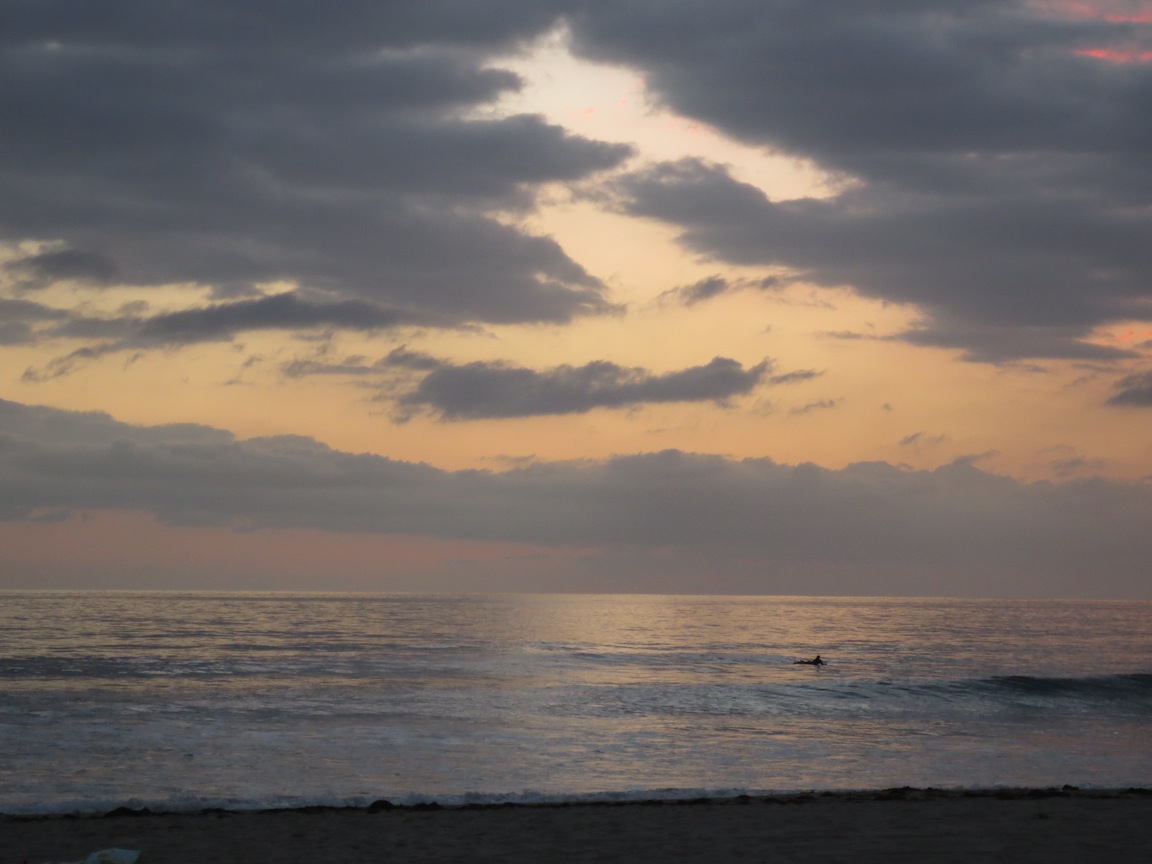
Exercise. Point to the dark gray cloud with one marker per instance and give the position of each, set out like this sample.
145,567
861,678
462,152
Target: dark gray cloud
1081,537
985,76
15,333
697,292
1134,390
20,318
280,311
29,310
714,286
998,277
362,26
45,268
240,143
406,359
480,390
485,390
998,179
215,322
359,366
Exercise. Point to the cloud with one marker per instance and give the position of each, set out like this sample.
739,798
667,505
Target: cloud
358,366
157,146
19,317
986,76
215,322
45,268
984,168
989,167
986,287
1134,391
28,310
714,286
697,292
821,405
795,377
279,311
917,440
351,366
404,358
1076,466
1086,536
486,390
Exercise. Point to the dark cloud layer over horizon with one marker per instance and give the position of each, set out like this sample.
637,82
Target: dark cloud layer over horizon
991,533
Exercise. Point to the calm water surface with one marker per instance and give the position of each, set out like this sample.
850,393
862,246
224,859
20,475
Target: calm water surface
185,700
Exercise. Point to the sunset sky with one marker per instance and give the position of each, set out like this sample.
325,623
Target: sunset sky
753,296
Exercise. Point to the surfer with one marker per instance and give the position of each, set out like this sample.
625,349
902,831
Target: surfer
815,661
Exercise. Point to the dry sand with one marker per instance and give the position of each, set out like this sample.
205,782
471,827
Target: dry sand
902,825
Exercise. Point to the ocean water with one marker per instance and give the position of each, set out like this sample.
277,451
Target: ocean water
183,701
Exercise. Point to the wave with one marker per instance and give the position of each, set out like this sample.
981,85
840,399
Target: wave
1128,694
1137,685
833,699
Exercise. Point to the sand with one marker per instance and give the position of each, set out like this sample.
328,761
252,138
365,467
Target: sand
902,825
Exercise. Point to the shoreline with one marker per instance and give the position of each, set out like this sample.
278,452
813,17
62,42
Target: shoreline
896,793
1053,824
614,800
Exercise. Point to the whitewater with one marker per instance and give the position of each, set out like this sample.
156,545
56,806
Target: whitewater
184,701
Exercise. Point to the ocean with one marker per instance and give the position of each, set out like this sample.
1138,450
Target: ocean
186,701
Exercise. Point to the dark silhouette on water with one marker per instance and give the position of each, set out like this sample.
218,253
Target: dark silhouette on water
816,661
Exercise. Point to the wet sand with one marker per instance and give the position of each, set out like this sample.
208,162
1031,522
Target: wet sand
897,825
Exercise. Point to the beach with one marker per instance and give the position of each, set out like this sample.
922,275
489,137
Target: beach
895,825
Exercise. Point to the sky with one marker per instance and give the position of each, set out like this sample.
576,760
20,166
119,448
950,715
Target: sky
698,296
